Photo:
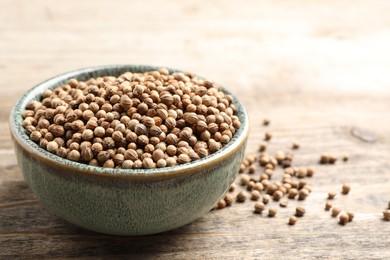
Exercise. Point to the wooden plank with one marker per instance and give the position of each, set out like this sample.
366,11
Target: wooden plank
318,69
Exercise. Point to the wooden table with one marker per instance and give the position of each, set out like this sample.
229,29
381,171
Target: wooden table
318,69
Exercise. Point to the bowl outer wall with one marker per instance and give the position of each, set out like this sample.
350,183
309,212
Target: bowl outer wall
124,202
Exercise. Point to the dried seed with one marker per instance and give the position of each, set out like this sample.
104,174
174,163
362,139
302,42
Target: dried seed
295,145
232,187
259,207
335,212
300,211
283,203
331,195
345,157
292,220
386,215
262,147
266,121
344,218
266,198
221,204
351,215
267,136
229,199
255,195
345,189
328,206
277,195
241,197
302,194
272,212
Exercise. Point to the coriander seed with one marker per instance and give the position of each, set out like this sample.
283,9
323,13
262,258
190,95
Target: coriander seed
351,215
335,212
259,207
386,215
241,197
272,212
255,195
343,218
299,211
292,220
328,206
345,189
331,195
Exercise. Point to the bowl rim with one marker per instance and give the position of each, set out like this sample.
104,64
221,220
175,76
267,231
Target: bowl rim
33,149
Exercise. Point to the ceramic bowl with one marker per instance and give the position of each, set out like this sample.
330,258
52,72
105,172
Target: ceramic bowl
124,201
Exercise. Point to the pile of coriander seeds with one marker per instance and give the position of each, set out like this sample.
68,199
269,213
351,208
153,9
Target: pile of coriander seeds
137,120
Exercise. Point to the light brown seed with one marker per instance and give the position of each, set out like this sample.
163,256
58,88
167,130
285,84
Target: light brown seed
255,195
283,203
300,211
259,207
292,193
266,198
335,211
351,215
331,195
295,145
386,215
229,199
221,204
302,194
292,220
232,187
345,189
272,212
244,179
241,197
328,206
343,218
277,195
262,147
267,136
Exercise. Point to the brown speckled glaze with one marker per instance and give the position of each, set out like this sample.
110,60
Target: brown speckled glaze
122,201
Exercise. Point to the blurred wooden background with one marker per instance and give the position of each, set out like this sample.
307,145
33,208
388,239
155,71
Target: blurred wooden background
317,69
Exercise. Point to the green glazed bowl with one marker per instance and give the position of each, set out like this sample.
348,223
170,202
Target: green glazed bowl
124,201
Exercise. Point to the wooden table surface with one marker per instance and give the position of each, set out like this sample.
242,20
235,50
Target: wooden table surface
318,69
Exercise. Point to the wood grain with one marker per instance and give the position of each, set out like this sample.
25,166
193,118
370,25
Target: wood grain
318,69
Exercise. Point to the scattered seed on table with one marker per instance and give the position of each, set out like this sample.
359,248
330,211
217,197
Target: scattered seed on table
228,199
252,169
266,198
242,168
351,215
277,195
335,212
328,206
258,186
386,215
309,171
331,195
250,185
344,218
221,204
259,207
302,194
300,211
292,220
332,159
266,121
232,187
345,157
345,189
255,195
272,212
241,197
267,136
324,158
292,193
244,179
295,145
262,147
283,203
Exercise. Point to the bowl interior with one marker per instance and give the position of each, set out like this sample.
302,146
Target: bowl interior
17,130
